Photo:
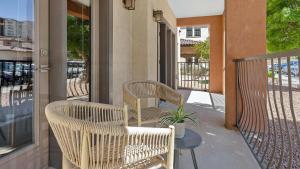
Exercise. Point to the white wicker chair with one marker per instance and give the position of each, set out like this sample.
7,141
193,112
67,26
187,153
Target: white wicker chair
135,91
95,136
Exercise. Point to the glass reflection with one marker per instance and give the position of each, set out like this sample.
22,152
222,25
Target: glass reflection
78,40
16,74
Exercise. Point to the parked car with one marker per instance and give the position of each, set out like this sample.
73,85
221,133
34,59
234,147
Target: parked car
295,70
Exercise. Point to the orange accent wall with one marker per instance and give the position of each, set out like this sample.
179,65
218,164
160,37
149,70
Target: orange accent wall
245,27
187,51
216,30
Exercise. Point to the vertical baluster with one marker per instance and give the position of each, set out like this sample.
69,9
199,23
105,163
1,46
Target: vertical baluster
269,164
191,75
240,87
251,111
298,71
247,98
278,117
184,65
255,112
291,101
206,65
284,113
262,100
267,144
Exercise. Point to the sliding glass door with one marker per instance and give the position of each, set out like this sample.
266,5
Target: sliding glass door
79,49
17,74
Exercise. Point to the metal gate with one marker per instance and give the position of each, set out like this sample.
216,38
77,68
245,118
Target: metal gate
193,75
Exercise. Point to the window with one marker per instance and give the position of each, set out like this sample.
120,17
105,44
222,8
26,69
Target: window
189,32
79,45
16,76
197,32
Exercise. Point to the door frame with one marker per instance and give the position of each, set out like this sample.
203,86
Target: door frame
166,58
40,91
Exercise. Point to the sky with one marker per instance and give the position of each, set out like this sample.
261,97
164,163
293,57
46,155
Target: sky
21,10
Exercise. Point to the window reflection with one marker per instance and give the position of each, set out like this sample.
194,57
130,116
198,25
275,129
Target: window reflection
78,49
16,74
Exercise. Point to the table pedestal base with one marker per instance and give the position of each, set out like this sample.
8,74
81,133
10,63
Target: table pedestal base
176,159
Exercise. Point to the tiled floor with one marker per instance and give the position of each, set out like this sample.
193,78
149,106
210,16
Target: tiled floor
221,148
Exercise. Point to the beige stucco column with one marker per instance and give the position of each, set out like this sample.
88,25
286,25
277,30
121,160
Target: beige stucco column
245,35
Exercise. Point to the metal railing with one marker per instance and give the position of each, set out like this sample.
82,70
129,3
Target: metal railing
77,83
20,73
193,75
16,72
268,108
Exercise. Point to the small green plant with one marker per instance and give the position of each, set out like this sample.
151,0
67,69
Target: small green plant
270,75
178,116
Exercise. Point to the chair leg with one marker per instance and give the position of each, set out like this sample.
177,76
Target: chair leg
194,159
176,159
66,164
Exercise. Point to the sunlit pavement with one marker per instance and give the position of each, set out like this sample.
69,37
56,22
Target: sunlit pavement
221,148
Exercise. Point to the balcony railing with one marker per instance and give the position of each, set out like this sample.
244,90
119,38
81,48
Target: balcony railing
193,75
20,73
268,108
77,84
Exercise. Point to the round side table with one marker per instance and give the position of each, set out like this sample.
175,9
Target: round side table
190,141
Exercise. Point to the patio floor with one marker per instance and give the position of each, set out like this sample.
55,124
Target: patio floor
221,148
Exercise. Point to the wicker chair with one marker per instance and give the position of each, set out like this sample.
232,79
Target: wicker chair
96,136
134,91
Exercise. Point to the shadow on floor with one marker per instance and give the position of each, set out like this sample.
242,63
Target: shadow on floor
221,148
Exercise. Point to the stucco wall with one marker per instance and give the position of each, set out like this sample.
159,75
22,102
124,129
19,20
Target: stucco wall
245,27
216,31
135,42
185,50
145,37
122,49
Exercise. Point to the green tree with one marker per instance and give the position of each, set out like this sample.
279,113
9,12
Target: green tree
283,25
202,50
78,41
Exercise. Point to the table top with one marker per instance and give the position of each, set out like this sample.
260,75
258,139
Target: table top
190,140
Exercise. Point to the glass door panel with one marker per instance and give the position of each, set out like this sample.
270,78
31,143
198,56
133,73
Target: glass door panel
16,74
79,49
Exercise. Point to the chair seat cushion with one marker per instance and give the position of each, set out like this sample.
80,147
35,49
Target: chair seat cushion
149,115
156,162
149,163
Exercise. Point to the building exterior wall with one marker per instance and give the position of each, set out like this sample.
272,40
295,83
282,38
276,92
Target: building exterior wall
122,50
245,27
1,27
188,50
216,30
146,37
10,28
16,29
135,41
204,33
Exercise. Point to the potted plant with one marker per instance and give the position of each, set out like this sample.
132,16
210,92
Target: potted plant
177,118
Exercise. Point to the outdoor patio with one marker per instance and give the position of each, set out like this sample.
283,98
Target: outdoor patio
226,146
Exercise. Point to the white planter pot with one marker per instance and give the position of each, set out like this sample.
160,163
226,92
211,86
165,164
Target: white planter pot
179,130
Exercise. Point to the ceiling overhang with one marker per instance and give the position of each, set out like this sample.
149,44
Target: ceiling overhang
197,8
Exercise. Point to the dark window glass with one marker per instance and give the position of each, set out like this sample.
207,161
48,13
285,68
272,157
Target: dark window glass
197,32
189,32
